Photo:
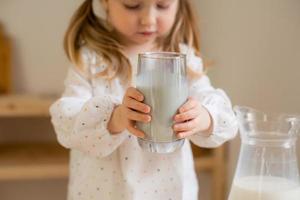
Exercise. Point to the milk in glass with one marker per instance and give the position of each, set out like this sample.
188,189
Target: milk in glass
161,77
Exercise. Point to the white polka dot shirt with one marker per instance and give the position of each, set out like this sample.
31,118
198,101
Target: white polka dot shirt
114,167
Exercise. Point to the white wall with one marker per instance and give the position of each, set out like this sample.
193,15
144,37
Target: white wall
255,46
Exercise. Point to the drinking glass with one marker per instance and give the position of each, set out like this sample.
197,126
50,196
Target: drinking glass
161,77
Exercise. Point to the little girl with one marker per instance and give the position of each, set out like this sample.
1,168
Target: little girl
96,115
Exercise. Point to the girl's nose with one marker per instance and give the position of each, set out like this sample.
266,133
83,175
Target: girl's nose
148,17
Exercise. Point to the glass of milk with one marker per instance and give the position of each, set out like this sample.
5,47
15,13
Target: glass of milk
267,168
161,77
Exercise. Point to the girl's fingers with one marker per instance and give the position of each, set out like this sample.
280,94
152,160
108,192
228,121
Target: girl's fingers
185,126
185,134
136,105
135,94
191,103
136,116
135,131
189,115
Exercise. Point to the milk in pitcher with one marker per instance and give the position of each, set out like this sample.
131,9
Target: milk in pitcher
264,188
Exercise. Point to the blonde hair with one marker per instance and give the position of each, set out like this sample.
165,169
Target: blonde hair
86,29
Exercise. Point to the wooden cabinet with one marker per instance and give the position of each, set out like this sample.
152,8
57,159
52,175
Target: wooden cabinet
33,161
5,59
29,160
25,160
212,161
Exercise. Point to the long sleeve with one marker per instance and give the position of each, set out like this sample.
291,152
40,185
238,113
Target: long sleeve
215,101
80,119
219,106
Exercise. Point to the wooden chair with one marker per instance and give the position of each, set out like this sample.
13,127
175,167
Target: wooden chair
5,62
214,162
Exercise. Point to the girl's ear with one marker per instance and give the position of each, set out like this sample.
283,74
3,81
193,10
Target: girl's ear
104,4
105,11
99,8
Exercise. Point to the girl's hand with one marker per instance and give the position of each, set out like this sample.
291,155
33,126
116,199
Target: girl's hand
131,110
192,118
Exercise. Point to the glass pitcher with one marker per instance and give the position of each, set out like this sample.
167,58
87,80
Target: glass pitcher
267,167
161,77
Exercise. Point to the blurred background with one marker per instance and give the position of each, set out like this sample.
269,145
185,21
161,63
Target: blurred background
254,46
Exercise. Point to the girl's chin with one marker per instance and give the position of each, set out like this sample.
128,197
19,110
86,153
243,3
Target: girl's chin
142,41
